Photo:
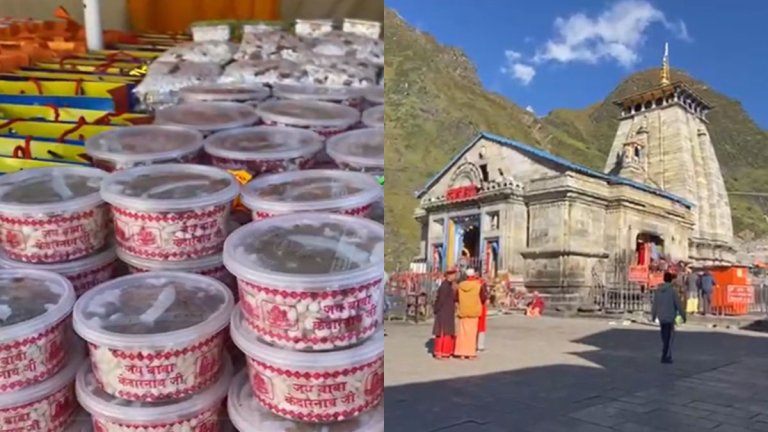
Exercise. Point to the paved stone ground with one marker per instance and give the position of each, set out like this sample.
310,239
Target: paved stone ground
577,375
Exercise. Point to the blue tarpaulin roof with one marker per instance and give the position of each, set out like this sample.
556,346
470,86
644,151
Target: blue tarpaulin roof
565,163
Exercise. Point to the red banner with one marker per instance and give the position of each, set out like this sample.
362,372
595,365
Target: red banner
461,193
743,294
638,274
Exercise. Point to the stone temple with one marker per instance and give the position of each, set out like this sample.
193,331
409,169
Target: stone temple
504,206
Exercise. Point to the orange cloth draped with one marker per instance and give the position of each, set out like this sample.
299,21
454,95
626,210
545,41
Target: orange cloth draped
466,338
174,16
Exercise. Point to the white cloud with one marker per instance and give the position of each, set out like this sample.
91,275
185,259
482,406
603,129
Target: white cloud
616,34
530,109
522,72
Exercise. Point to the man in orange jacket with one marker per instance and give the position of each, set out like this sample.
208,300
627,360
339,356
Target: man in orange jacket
470,297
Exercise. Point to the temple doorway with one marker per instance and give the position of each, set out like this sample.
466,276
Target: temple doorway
649,248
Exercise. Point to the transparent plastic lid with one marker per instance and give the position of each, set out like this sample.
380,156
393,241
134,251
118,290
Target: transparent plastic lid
144,143
57,189
31,301
182,266
208,116
310,190
168,187
153,309
43,389
223,92
252,347
247,414
362,147
307,251
104,257
101,404
374,117
308,113
264,143
315,92
375,94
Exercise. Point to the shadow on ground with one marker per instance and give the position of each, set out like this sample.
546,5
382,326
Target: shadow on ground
719,382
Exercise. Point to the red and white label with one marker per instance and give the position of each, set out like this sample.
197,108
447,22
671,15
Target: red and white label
361,211
54,238
30,360
325,132
318,396
158,374
171,236
50,414
308,321
85,280
206,421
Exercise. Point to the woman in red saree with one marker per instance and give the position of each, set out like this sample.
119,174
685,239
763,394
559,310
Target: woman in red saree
444,328
536,306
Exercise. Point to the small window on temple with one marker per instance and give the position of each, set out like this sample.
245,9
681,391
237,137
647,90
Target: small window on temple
638,107
648,105
637,152
659,102
484,171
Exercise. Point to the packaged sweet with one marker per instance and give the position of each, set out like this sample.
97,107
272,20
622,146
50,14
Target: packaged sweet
155,336
52,215
84,273
211,266
164,79
264,149
200,52
34,308
49,405
374,95
208,117
313,27
339,43
218,92
325,118
359,150
316,190
313,387
128,147
200,412
374,117
371,29
264,72
309,281
344,95
267,45
211,32
171,212
248,415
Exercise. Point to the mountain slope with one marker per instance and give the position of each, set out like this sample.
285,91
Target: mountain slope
435,104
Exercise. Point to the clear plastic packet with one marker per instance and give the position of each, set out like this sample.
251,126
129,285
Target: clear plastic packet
200,52
164,79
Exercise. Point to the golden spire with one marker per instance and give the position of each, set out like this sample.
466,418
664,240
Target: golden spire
665,66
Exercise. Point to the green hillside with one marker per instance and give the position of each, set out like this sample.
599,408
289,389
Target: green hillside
435,103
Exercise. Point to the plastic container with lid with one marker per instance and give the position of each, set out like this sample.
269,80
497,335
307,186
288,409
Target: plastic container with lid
224,92
247,415
127,147
326,118
211,266
374,117
157,335
50,215
170,212
359,150
350,96
49,405
313,387
332,191
208,117
199,412
313,27
309,281
371,29
81,422
264,149
374,95
34,307
84,273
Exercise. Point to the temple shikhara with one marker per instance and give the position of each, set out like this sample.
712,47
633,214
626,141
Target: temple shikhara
504,206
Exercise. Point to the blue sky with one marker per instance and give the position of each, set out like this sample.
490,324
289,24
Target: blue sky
550,54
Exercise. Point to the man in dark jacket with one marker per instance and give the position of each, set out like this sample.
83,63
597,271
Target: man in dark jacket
706,286
666,307
444,328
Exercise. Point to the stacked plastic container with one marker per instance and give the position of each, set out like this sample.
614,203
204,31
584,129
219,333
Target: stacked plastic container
157,352
38,359
172,217
54,219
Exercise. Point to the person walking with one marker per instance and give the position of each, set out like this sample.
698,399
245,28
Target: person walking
666,307
444,329
470,307
706,286
691,282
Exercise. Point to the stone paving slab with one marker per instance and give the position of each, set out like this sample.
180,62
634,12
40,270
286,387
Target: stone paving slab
574,375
